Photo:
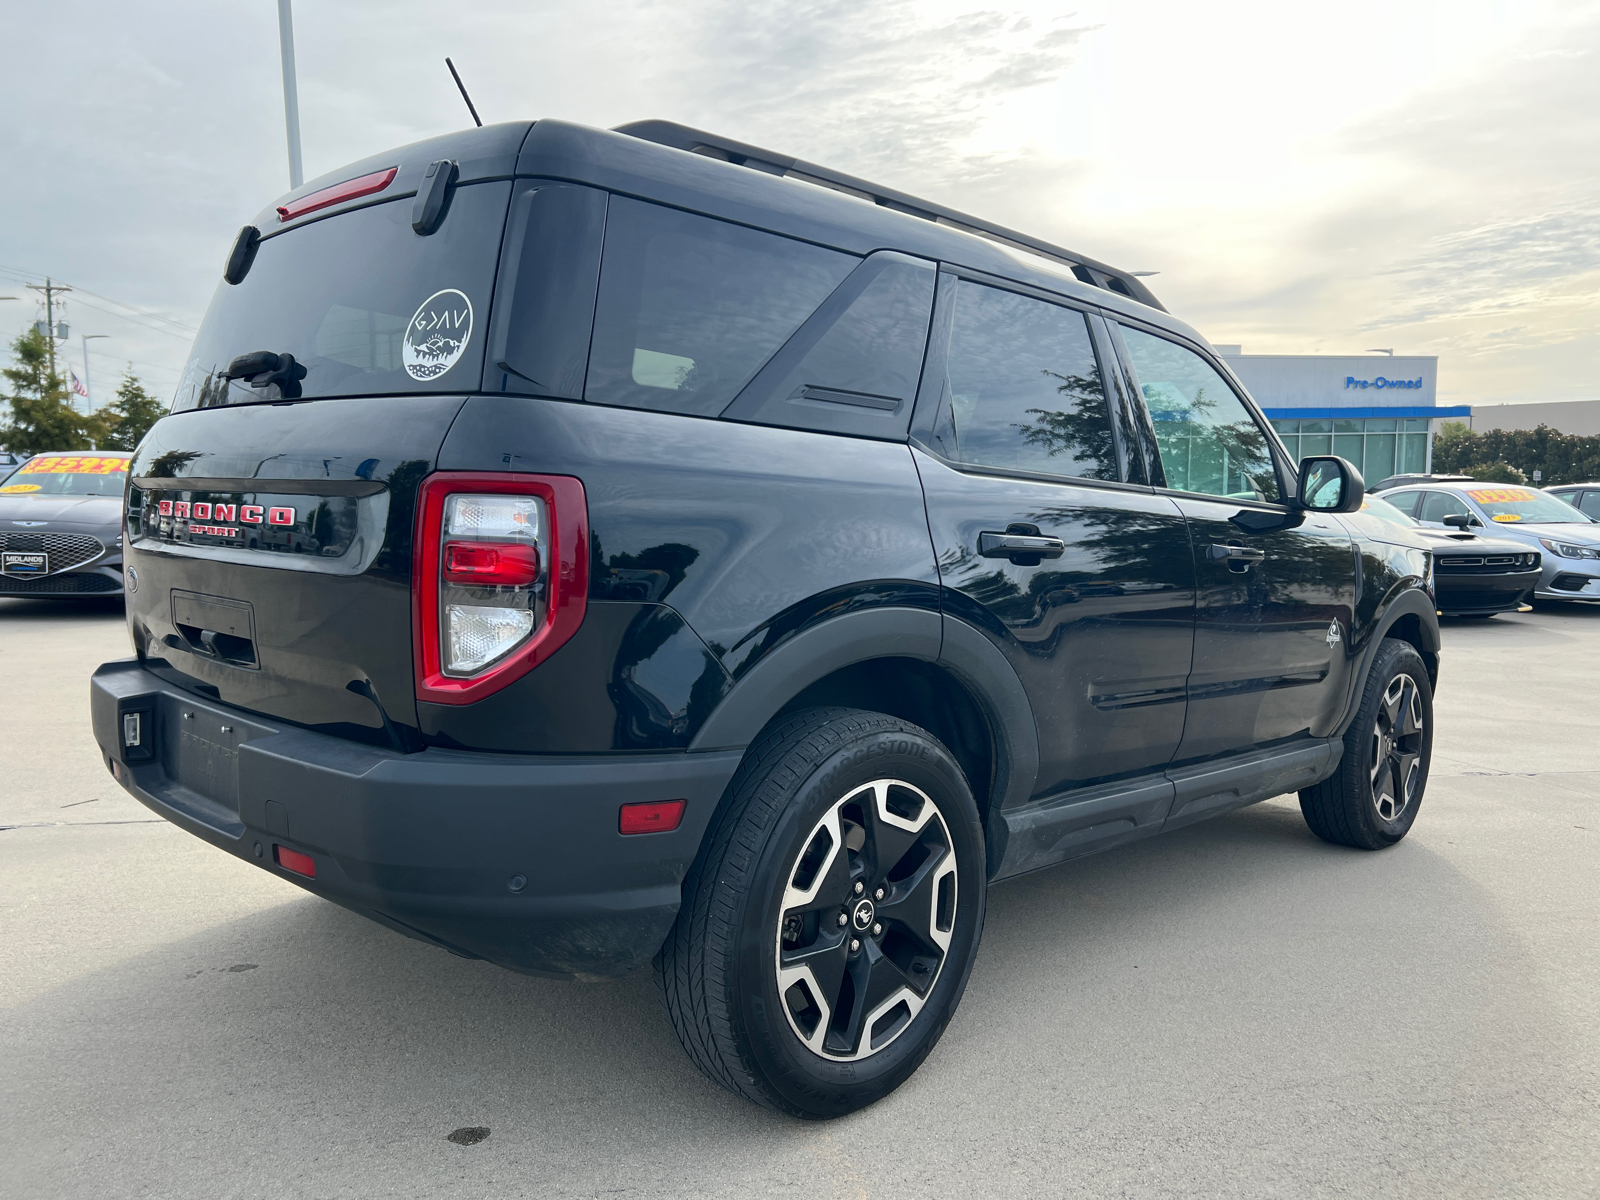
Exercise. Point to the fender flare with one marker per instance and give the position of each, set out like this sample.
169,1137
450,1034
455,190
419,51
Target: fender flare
893,632
784,672
1410,601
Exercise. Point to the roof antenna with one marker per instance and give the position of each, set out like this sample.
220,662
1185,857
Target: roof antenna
463,88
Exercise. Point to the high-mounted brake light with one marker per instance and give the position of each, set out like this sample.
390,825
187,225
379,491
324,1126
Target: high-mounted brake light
350,189
500,578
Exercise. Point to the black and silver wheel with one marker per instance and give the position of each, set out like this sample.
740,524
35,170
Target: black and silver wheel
830,924
1371,801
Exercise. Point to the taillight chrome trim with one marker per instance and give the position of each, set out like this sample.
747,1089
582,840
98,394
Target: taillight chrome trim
568,579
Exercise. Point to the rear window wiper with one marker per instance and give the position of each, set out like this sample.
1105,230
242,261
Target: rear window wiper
263,368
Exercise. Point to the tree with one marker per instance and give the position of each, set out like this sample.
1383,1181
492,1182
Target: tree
1496,472
1455,447
42,418
131,414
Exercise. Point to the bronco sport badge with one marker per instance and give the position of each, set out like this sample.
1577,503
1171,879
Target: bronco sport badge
438,335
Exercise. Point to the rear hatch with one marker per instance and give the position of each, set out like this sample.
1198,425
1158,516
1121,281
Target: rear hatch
270,515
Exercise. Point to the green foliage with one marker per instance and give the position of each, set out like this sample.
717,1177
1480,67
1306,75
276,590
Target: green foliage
131,414
42,418
1562,457
1497,472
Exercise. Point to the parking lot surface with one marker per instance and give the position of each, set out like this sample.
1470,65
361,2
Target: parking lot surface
1233,1009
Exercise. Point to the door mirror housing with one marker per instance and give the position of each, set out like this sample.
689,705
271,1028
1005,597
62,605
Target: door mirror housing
1330,484
1460,520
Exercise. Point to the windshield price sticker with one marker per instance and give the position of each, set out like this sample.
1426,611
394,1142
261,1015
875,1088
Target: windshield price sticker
1502,495
74,464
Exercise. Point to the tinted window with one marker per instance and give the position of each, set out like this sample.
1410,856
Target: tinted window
690,308
1436,506
853,366
1406,502
545,304
1590,504
361,302
1209,442
1024,387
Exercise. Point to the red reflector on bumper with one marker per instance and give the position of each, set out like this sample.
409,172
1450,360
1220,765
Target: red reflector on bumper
657,816
291,860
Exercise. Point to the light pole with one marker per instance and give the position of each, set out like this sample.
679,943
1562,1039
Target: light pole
88,401
291,96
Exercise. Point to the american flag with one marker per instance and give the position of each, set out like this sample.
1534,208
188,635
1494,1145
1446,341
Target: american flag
77,384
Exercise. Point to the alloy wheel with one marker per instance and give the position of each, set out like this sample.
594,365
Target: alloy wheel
1397,748
868,912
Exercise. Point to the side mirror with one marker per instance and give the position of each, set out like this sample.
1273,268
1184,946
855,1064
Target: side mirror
1331,485
1459,520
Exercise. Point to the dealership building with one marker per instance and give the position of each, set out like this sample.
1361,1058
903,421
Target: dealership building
1379,411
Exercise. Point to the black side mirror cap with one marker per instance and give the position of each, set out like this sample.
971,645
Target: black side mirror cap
1459,520
1330,484
242,255
433,196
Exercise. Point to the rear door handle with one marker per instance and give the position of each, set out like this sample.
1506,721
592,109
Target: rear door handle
1019,545
1238,558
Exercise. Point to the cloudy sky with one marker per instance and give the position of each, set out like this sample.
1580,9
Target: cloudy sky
1307,178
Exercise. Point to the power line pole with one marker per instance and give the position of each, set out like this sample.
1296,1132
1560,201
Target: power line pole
51,291
291,95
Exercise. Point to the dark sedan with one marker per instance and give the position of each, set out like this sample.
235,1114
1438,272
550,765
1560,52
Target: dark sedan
1474,576
61,525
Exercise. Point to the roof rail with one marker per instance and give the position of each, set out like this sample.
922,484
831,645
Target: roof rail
697,141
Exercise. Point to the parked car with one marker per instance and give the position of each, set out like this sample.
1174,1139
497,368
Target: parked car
1585,497
581,548
1394,481
1568,541
61,525
1474,575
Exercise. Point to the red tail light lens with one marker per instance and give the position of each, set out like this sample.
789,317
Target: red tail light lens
350,189
500,579
491,564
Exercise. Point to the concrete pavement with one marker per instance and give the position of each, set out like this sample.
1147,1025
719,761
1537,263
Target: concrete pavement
1234,1009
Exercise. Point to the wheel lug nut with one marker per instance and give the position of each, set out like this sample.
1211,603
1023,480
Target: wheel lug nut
876,929
878,895
860,887
855,945
843,920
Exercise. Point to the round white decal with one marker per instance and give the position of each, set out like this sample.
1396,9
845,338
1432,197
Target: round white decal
438,334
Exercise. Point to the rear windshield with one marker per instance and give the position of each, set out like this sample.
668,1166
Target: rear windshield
69,475
362,303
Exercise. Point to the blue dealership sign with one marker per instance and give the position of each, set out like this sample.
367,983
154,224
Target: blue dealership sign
1350,381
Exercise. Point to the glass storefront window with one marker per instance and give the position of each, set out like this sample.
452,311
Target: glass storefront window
1380,455
1380,425
1348,445
1413,453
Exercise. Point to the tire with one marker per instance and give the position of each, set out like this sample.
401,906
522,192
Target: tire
758,975
1372,800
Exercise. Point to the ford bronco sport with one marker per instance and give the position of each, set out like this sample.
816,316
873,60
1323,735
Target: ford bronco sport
578,548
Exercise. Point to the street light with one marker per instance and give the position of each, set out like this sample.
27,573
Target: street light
88,401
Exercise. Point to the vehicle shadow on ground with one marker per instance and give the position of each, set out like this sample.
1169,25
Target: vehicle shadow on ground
304,1030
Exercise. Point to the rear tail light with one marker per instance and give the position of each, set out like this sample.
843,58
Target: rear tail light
500,579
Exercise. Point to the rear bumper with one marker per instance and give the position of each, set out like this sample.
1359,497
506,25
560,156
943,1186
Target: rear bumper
1464,594
511,858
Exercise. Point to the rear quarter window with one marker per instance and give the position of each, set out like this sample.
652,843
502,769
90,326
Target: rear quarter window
689,307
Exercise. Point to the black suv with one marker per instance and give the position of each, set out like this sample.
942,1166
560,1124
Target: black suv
574,548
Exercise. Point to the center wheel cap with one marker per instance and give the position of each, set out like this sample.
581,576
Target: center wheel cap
863,915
